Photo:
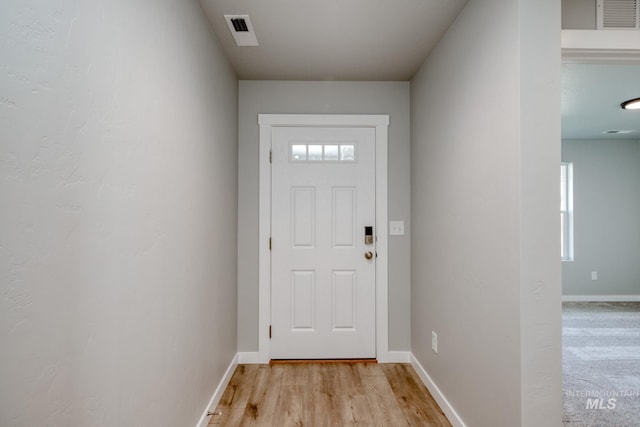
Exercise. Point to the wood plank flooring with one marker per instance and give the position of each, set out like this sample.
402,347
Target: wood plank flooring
327,395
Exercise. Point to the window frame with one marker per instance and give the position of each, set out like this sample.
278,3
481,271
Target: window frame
566,211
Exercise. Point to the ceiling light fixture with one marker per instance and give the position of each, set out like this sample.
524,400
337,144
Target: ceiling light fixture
617,132
632,104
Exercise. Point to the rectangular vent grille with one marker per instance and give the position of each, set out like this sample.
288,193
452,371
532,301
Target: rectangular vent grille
239,24
618,14
241,30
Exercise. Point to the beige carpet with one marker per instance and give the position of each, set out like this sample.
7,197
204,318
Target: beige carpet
601,364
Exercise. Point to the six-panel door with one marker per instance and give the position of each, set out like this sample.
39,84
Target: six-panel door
322,284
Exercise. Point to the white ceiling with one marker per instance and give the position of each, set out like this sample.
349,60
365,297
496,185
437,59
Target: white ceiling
378,40
364,40
591,97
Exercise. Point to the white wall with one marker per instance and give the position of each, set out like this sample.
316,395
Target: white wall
118,184
485,152
607,217
578,14
323,98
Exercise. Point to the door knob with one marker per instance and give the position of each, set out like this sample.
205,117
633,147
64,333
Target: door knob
368,255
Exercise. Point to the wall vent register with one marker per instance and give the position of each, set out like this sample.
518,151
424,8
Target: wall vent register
618,14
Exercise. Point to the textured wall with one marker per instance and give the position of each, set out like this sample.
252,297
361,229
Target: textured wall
118,219
485,154
465,258
606,229
324,98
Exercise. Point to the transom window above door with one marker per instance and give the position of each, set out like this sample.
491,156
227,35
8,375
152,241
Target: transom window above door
318,152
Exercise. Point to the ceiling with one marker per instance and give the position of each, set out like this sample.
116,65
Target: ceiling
368,40
591,97
388,40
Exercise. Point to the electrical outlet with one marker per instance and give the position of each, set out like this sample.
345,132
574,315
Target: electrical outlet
434,342
594,275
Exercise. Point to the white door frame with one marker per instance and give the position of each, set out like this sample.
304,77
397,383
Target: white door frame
381,124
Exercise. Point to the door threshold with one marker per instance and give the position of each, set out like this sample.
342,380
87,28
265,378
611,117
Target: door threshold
309,361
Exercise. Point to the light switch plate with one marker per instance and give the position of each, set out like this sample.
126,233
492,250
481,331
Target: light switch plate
396,228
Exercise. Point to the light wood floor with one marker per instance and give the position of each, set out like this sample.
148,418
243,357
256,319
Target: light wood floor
327,394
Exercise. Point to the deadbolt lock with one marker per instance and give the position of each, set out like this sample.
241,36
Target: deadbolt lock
368,235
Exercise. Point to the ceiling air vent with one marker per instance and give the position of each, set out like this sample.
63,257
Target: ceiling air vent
618,14
241,30
239,24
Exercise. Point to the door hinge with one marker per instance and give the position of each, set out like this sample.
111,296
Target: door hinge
269,331
269,243
270,156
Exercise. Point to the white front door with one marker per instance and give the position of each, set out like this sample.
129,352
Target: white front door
323,266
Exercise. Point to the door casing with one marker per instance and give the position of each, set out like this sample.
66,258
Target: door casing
381,124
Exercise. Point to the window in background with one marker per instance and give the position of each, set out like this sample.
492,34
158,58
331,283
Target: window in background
566,211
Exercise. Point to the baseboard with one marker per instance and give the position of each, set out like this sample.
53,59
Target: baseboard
217,395
446,407
398,357
249,357
600,298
